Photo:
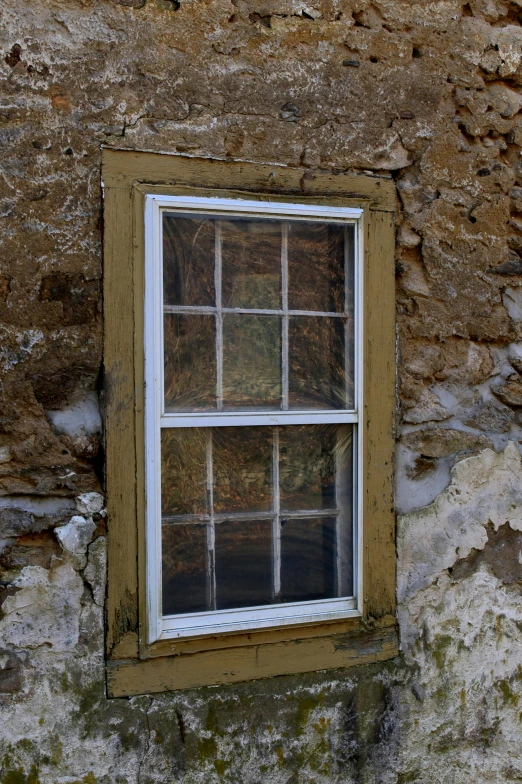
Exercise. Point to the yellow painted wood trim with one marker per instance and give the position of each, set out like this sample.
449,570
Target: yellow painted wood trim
120,442
210,668
124,168
124,276
379,576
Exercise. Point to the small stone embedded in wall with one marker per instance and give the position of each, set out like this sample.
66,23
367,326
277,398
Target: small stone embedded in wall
11,668
95,571
45,610
510,390
490,417
441,442
90,503
75,538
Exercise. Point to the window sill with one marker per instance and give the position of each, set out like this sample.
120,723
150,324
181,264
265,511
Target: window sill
253,657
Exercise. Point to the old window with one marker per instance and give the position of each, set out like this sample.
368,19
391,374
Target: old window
249,383
252,398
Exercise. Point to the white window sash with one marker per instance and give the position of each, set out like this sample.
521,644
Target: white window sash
161,627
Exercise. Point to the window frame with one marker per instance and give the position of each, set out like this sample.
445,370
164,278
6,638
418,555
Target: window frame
160,627
135,666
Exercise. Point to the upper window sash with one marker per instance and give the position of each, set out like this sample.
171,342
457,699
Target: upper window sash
155,206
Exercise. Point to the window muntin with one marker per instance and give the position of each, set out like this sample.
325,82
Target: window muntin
253,336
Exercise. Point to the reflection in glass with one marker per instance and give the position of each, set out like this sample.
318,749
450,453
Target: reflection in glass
316,266
242,469
307,467
188,260
251,263
184,573
183,471
243,563
190,362
251,362
316,485
316,362
308,562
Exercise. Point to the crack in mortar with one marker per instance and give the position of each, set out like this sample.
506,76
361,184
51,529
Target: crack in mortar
148,744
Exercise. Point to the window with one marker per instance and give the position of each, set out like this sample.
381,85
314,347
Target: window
249,361
252,393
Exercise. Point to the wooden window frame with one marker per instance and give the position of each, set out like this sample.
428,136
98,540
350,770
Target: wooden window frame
135,665
161,627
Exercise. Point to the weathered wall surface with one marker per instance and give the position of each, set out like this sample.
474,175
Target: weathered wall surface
429,93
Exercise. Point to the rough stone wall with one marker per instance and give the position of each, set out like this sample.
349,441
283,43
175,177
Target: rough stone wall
428,93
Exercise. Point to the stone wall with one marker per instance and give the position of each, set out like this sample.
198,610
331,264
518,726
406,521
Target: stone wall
427,93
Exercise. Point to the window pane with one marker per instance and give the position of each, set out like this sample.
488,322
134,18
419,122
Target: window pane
251,264
188,260
307,467
316,262
251,362
190,362
315,470
183,471
316,362
308,568
243,563
242,459
184,571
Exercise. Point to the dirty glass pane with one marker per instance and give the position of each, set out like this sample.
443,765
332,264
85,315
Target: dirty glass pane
243,563
308,556
251,263
242,458
190,362
183,471
188,260
251,362
316,262
184,571
307,467
316,362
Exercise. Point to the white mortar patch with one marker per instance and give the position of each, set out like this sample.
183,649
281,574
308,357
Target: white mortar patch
484,489
46,609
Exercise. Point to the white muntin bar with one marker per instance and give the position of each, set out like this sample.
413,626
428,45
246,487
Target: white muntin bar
208,309
338,533
202,519
284,325
276,524
211,529
219,316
